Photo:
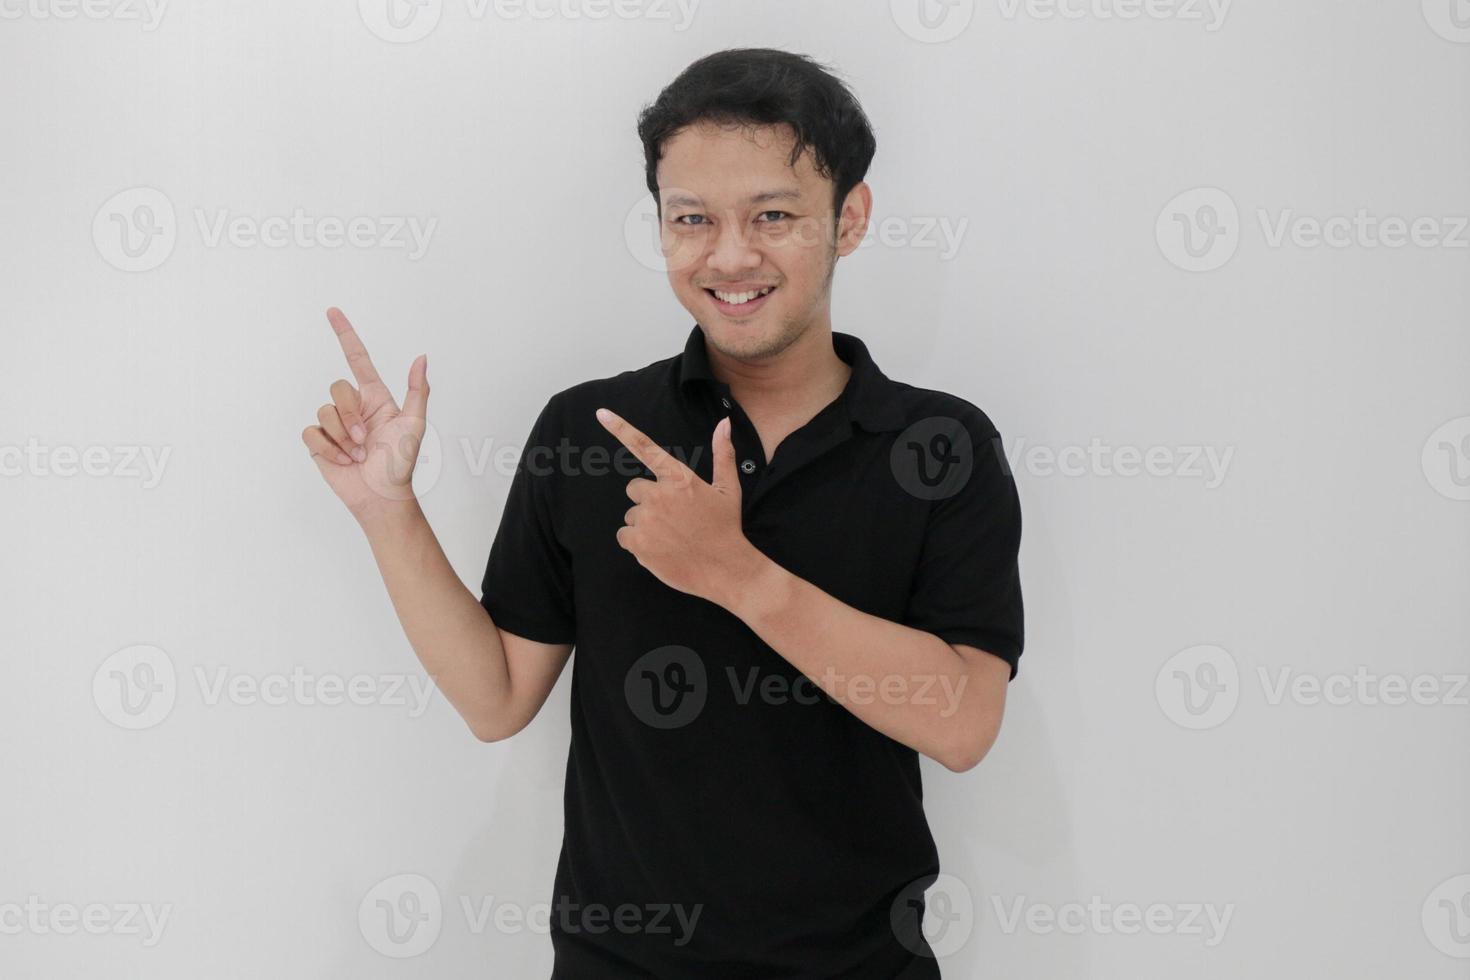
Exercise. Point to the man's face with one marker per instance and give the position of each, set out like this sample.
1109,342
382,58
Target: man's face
737,219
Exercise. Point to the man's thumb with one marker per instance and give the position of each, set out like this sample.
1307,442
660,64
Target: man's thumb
416,402
724,462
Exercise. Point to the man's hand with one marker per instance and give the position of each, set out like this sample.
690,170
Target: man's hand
365,445
683,530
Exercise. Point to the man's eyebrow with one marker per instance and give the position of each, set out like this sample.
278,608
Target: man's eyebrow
781,194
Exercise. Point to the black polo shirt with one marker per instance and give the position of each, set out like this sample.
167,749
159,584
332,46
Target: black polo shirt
725,818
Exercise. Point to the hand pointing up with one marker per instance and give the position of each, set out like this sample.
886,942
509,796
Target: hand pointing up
365,445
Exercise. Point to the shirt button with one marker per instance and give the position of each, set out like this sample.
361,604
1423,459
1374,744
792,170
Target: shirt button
725,402
747,466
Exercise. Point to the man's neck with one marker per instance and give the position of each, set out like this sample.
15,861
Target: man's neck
794,384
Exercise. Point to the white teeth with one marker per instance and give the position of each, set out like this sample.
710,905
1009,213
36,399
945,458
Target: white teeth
738,298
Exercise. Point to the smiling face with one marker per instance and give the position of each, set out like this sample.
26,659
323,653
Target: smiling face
749,240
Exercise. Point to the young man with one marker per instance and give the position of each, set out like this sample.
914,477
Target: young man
785,575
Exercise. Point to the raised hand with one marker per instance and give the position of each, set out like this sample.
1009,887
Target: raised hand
365,445
685,531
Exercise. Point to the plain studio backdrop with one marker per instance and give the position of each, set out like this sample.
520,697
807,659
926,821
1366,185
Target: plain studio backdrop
1205,266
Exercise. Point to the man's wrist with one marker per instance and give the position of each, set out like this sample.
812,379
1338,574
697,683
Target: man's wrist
389,516
755,585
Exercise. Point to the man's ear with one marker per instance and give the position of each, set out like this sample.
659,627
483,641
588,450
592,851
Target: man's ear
852,220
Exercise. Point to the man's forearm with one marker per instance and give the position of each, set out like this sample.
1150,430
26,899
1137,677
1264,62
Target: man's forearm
908,684
449,630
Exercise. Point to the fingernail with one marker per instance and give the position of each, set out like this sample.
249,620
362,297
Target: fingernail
358,454
359,433
603,415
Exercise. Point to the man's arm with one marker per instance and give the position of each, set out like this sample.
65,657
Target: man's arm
946,701
497,681
365,447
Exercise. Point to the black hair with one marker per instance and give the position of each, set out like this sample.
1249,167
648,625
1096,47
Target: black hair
766,86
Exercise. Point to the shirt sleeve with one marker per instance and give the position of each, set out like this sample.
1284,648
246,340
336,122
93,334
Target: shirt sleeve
968,586
527,587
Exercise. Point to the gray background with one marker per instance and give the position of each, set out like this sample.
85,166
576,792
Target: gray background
1150,756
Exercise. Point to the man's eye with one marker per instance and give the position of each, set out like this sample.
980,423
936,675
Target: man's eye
781,213
680,219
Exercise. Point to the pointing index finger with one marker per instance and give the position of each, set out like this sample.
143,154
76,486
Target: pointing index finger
649,453
357,355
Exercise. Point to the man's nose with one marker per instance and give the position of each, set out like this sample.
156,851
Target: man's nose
733,249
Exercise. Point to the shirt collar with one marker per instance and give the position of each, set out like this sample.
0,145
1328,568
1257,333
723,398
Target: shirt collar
871,399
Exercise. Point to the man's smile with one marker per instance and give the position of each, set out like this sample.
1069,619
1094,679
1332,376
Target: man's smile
740,301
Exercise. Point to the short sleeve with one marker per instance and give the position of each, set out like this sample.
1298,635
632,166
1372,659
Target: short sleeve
527,587
968,585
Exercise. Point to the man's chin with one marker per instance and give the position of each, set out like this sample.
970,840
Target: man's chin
745,341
